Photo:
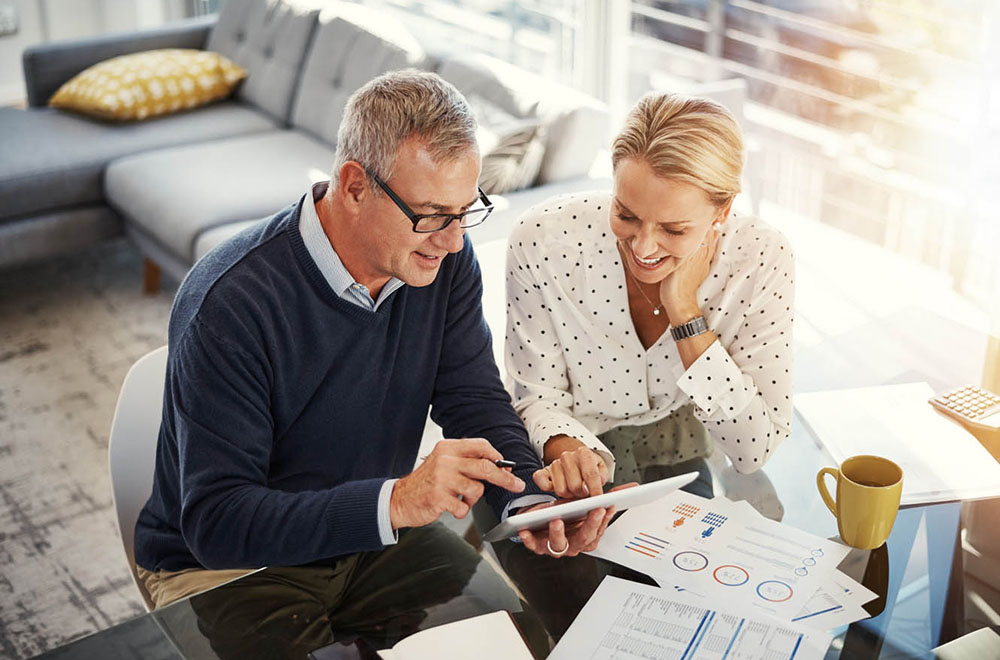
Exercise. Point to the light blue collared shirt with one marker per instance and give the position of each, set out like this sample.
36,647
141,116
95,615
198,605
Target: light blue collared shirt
329,263
344,285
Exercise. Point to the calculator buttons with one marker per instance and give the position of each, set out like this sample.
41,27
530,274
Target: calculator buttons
970,404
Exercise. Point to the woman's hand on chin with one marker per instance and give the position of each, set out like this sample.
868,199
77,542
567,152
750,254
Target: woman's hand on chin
679,289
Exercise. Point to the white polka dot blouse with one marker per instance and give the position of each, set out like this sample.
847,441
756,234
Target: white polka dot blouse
578,367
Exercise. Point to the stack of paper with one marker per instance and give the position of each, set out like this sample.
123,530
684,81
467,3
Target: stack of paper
941,461
486,637
628,620
723,551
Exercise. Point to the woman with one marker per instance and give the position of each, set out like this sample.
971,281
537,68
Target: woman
648,325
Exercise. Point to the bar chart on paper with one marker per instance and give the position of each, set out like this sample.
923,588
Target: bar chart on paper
720,549
647,545
627,620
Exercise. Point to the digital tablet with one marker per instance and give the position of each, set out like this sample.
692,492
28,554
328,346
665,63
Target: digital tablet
576,509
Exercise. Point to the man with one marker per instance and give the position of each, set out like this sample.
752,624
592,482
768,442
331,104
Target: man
305,352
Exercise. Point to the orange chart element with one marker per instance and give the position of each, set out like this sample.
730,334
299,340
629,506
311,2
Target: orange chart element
730,575
685,511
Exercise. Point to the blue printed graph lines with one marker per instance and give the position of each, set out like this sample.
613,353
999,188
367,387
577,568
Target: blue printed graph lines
714,521
646,544
808,562
774,591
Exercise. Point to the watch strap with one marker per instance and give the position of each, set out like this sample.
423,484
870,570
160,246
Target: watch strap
695,326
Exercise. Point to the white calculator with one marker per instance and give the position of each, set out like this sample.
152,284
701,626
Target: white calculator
971,406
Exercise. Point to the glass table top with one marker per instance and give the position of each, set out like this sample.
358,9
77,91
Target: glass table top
922,576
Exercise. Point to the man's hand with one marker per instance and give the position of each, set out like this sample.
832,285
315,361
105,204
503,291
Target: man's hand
449,479
569,539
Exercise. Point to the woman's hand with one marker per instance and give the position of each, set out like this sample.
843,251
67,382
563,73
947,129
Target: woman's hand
568,539
578,471
573,537
679,289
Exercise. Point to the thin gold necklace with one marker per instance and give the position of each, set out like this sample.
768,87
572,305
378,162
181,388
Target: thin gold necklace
656,308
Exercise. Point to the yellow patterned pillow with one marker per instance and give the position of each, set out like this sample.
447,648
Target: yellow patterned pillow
148,84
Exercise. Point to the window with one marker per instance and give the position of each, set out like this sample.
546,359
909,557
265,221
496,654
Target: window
879,117
536,35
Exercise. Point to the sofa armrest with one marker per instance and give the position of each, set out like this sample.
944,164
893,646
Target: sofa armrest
48,66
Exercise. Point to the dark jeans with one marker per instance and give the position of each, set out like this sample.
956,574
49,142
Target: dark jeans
432,576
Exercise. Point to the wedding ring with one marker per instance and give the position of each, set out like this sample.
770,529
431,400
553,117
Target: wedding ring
554,553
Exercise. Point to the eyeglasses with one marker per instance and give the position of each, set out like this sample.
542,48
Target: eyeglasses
425,223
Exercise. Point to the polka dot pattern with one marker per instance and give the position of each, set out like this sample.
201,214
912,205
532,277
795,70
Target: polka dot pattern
676,438
578,367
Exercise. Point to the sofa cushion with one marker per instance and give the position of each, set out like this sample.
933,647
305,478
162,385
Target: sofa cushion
513,161
269,39
51,159
353,44
486,81
173,195
576,125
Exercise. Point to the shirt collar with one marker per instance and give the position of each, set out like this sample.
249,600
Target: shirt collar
321,250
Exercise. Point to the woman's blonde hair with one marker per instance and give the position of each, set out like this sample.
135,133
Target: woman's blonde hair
689,139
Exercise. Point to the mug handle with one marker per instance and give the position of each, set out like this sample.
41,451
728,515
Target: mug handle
823,492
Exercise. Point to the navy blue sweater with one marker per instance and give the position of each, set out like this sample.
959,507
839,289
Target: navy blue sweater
286,407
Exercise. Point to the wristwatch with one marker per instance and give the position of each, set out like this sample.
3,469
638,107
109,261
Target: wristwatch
695,326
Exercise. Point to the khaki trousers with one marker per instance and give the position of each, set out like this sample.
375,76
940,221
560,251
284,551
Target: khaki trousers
164,587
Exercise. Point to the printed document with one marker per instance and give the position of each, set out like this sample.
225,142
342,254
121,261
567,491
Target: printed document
941,461
625,620
838,603
723,551
486,637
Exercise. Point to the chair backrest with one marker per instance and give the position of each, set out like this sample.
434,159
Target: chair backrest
132,447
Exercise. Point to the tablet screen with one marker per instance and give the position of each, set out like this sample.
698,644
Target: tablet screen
576,509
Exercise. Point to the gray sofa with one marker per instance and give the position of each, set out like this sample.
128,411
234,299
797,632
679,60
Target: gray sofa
179,185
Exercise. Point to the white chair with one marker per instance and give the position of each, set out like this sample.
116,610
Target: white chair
132,448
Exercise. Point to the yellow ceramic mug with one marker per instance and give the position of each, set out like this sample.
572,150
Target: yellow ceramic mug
868,491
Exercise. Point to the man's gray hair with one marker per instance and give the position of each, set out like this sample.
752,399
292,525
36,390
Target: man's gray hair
398,105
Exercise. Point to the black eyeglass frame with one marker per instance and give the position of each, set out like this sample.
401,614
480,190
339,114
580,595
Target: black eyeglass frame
415,218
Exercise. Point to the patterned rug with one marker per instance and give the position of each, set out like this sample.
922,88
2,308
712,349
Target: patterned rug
69,331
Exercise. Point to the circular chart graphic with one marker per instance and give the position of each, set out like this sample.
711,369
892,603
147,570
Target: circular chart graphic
731,576
774,591
690,561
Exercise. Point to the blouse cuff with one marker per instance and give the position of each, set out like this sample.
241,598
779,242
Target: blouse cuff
541,431
716,384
